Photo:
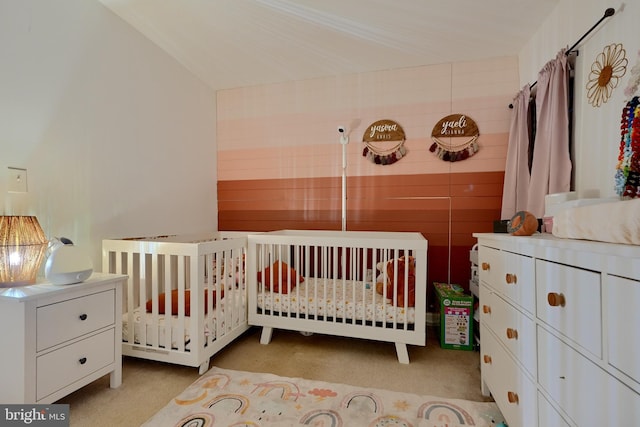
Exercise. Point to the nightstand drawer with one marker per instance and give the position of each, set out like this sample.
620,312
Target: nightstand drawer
60,322
568,300
66,365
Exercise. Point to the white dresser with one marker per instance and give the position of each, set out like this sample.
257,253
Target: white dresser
560,328
56,339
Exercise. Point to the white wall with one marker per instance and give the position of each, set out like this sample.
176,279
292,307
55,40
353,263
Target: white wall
597,130
118,139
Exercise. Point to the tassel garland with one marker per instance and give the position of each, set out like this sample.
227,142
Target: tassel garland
384,159
448,154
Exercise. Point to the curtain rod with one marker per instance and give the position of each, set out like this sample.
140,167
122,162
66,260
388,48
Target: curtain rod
607,13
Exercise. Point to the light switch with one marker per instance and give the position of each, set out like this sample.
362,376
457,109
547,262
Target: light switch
17,182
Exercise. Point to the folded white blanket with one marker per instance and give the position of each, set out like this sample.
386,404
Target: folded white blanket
617,222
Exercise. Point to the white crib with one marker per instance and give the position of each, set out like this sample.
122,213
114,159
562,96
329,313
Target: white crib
347,283
185,297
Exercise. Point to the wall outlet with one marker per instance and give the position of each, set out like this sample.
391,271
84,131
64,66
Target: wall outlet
17,180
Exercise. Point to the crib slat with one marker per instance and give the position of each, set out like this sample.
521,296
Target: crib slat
177,324
214,262
146,280
133,264
154,279
194,266
165,279
226,283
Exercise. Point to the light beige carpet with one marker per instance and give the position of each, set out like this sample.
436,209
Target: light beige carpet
148,386
239,398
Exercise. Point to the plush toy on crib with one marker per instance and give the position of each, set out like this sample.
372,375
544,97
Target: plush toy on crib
389,284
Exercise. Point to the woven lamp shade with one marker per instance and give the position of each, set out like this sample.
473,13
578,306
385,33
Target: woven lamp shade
22,250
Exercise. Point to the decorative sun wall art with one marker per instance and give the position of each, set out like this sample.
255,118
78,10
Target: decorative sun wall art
606,71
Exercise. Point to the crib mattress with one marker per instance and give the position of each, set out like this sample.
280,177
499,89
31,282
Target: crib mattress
345,299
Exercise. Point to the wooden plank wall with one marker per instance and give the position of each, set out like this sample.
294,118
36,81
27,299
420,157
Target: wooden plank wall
279,158
445,208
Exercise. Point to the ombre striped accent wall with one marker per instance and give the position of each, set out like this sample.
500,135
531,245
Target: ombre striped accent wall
280,160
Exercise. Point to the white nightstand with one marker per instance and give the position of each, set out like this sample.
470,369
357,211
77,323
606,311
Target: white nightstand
57,339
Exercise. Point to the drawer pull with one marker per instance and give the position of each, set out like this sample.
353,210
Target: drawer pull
486,266
512,334
511,279
83,316
555,299
486,309
487,359
83,360
513,397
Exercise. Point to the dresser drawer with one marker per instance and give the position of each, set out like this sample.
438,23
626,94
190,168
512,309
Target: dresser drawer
513,392
510,274
568,300
60,322
623,319
516,331
589,395
62,367
547,415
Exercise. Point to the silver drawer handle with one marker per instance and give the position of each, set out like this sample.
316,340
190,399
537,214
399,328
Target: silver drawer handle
83,360
83,316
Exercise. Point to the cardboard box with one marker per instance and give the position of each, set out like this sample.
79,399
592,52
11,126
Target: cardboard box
456,316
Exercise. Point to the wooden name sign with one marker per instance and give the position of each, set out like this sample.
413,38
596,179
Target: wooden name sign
384,142
455,126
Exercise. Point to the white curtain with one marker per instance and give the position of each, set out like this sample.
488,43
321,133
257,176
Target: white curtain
551,166
515,189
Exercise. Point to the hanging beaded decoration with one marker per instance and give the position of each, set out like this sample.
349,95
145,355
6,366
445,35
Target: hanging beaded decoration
627,177
455,125
384,142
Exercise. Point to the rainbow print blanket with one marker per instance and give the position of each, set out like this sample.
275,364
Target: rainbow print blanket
234,398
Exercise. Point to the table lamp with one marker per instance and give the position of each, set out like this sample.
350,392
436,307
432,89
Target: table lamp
22,250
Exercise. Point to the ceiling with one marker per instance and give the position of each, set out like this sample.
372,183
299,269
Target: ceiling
236,43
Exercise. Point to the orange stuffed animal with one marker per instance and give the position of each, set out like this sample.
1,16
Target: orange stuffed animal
399,285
